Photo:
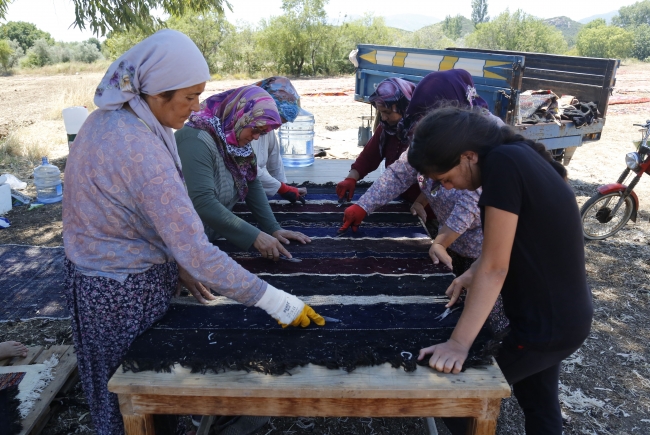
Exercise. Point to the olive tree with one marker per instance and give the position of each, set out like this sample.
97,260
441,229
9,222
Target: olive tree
517,32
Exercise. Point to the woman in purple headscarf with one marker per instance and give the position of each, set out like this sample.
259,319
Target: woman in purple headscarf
438,88
391,99
220,169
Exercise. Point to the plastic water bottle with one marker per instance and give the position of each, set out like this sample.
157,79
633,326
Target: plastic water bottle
297,140
47,179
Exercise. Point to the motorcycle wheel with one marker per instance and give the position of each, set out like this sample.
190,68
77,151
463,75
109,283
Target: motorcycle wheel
596,223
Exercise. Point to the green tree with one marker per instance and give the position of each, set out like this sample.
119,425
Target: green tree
633,15
344,38
5,54
479,12
241,51
207,30
295,38
428,37
119,42
40,54
453,26
106,16
96,42
18,53
24,33
597,39
641,44
517,32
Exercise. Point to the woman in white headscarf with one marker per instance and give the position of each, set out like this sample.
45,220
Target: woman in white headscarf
130,232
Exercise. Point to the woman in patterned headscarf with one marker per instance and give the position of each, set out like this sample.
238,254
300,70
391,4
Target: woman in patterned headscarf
391,99
221,169
129,227
270,169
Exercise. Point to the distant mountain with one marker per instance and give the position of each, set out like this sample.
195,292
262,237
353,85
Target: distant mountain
607,17
410,22
567,26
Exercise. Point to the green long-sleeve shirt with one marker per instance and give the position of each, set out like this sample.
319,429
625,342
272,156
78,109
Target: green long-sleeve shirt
212,190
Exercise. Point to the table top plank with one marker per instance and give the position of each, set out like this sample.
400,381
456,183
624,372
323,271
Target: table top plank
312,407
325,171
315,381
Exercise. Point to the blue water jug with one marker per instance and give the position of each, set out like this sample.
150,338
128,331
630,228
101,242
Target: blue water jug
297,140
47,179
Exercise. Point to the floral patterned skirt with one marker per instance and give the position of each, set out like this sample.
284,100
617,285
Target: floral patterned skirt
497,321
106,317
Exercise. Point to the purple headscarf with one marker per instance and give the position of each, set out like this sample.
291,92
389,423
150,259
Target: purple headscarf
224,116
391,91
438,87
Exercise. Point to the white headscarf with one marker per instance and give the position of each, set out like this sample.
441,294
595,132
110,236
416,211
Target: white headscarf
165,61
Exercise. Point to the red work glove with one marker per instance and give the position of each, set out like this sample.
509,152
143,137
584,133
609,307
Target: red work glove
290,193
346,186
353,217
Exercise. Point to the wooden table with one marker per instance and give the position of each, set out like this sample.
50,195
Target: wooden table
313,391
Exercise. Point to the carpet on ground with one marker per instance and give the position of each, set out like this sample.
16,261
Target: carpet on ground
31,284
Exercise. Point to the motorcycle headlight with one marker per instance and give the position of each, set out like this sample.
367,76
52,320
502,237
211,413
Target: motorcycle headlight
632,161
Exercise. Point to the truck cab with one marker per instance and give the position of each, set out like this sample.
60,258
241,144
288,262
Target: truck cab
500,77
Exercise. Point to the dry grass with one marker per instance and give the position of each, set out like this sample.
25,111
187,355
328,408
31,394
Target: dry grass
65,68
77,92
46,138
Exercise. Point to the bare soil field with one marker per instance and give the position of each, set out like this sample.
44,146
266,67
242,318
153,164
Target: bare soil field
605,385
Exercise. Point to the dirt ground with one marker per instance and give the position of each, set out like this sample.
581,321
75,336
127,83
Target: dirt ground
605,385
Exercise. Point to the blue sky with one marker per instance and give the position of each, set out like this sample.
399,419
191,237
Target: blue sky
56,16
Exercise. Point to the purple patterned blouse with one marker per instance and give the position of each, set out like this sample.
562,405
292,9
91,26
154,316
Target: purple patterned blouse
125,208
458,209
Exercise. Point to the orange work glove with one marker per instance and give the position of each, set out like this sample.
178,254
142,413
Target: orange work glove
353,217
346,187
290,193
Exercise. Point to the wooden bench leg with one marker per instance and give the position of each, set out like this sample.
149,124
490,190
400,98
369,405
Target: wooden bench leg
138,424
135,424
486,424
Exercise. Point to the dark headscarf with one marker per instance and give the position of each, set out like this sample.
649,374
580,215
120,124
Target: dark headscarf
224,116
455,85
391,91
284,94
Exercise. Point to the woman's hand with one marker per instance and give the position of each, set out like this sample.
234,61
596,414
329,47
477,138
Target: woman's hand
352,217
287,309
198,290
302,191
285,235
438,254
270,247
446,357
418,209
457,286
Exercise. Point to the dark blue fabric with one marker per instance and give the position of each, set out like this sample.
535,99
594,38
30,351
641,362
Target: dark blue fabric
31,283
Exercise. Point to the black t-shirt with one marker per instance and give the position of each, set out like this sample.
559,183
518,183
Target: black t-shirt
545,294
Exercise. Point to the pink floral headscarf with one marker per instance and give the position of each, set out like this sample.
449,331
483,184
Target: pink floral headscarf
224,116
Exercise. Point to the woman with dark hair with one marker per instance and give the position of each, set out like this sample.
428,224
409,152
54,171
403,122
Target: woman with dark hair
391,99
527,211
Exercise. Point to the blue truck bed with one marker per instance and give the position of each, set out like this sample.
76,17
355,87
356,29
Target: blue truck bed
500,76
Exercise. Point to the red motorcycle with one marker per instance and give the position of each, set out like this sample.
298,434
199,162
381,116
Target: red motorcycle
615,204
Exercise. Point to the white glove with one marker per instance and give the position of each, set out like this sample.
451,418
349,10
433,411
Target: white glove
280,305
